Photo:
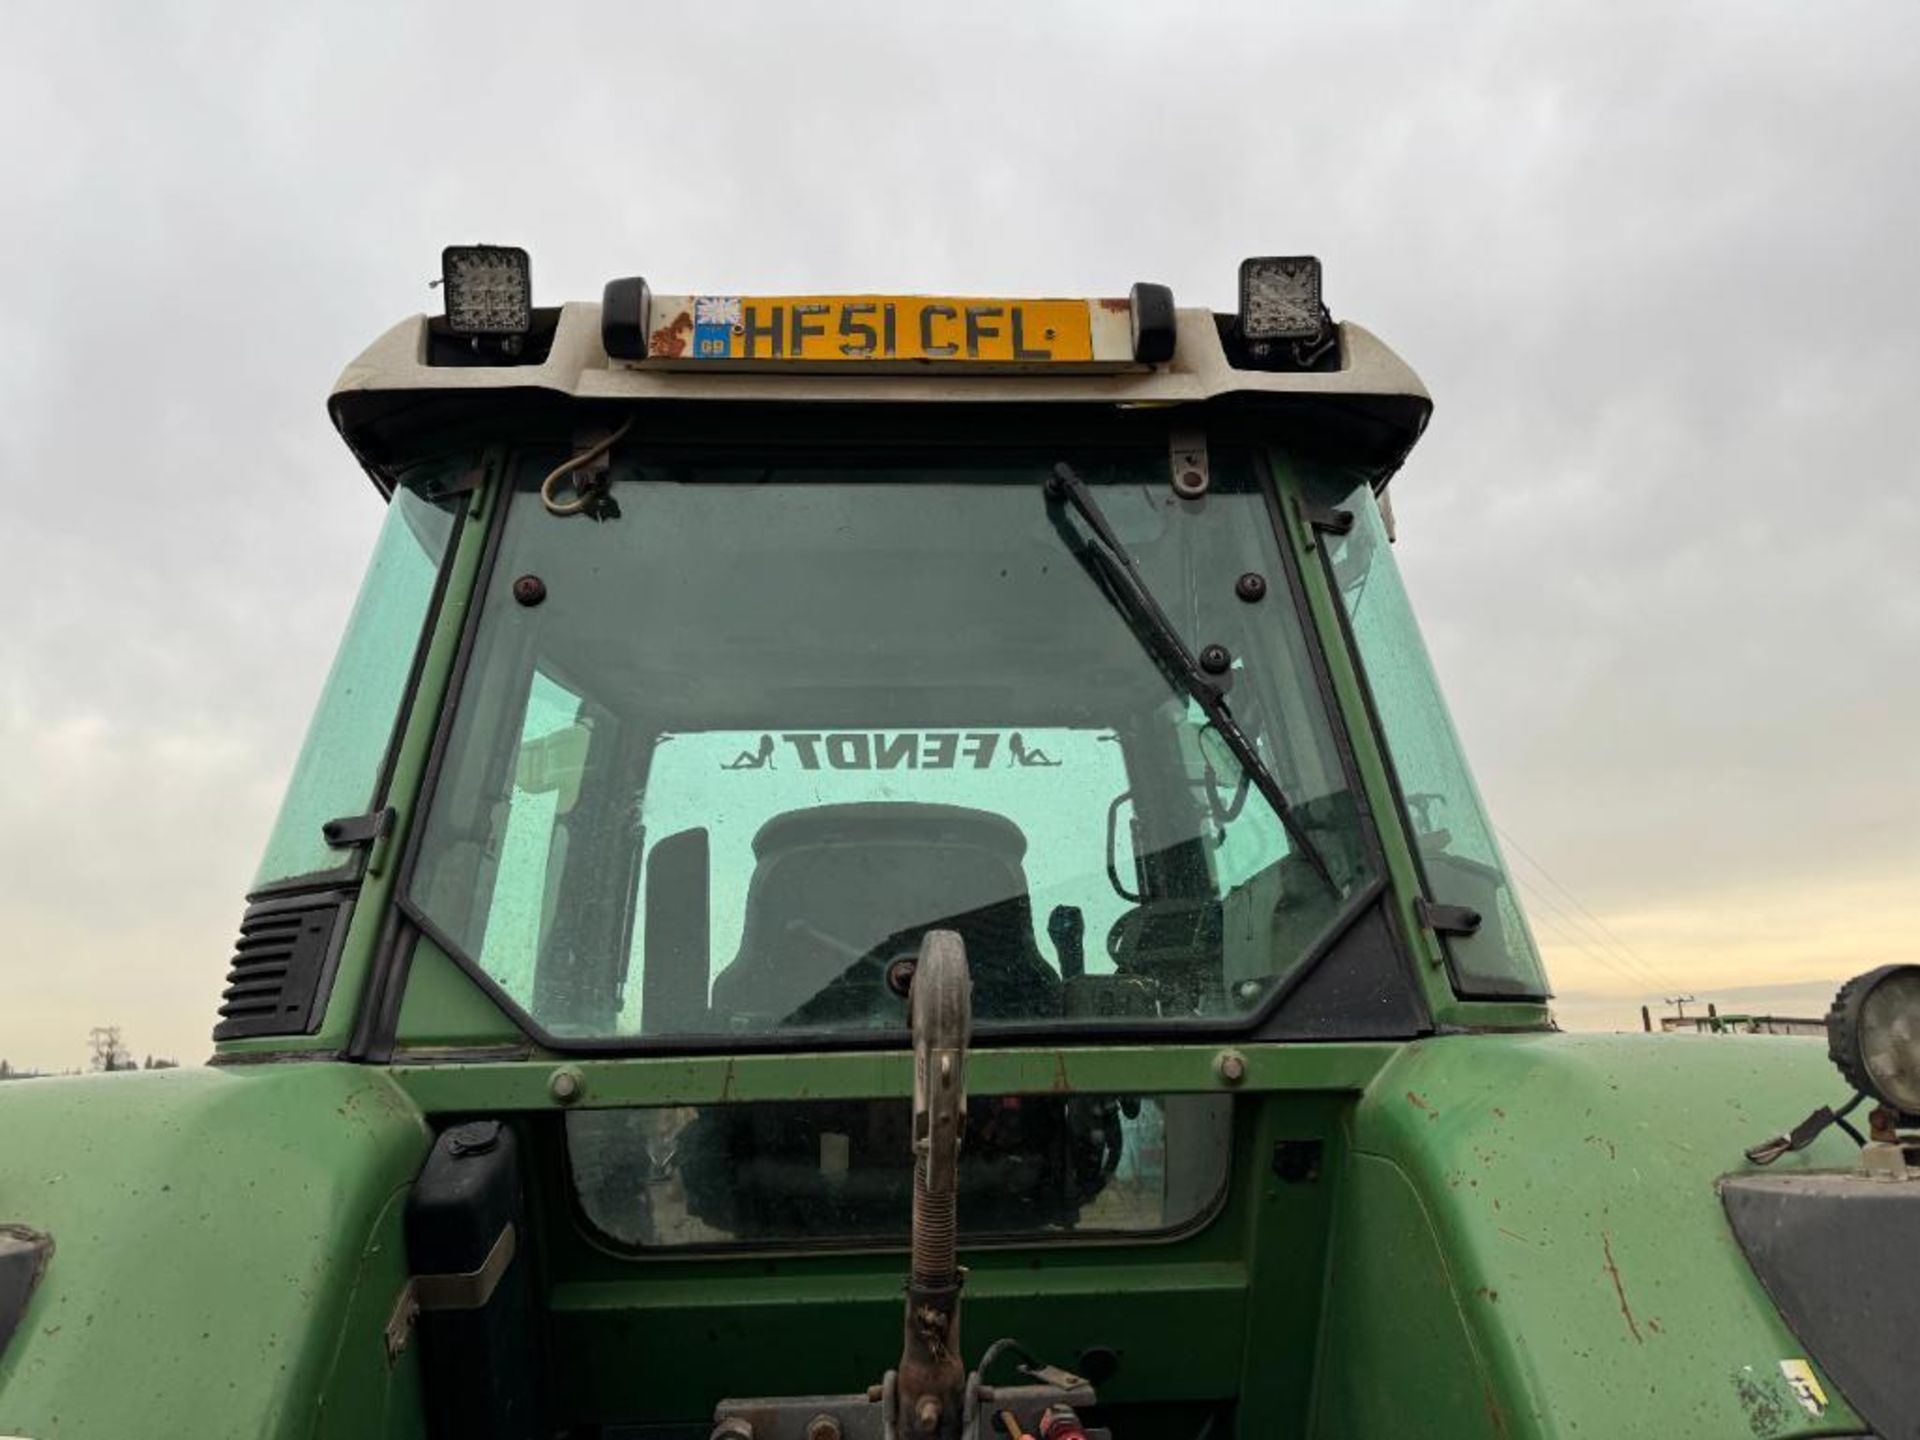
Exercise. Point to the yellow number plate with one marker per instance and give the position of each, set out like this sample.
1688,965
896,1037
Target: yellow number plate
855,329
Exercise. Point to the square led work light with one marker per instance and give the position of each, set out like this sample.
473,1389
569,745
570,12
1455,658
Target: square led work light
1280,298
488,289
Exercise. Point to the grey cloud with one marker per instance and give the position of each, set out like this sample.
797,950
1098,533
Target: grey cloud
1652,260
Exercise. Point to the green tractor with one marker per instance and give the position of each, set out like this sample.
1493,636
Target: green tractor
820,789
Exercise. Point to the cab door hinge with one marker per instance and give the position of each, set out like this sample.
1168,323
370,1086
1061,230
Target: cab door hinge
465,483
473,482
1446,919
1327,520
350,832
1318,520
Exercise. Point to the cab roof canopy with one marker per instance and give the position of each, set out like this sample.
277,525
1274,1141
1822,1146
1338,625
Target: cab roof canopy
410,383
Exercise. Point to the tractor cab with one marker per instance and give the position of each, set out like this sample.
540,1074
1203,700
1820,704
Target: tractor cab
838,815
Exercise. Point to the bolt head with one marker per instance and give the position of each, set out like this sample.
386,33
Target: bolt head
823,1427
529,589
1216,659
1231,1067
566,1086
1251,586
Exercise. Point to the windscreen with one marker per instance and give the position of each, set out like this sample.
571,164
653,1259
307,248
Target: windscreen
731,742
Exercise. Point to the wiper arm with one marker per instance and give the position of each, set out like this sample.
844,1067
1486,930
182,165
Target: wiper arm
1130,595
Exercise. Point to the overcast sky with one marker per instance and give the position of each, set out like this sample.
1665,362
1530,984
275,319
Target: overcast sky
1656,264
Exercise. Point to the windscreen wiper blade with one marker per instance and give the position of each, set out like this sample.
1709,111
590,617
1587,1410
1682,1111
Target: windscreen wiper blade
1129,592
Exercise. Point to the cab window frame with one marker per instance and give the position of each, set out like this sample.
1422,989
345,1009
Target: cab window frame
1464,987
532,451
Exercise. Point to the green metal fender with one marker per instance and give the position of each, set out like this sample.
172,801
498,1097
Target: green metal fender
1530,1242
227,1247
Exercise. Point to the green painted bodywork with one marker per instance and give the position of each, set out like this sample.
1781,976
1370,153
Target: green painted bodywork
1508,1236
226,1250
1544,1206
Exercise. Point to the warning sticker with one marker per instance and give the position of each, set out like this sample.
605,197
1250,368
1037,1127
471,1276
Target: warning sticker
1805,1386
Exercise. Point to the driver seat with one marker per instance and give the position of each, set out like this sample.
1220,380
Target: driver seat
840,891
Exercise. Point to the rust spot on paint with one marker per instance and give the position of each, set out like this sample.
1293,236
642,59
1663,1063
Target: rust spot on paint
1499,1114
1494,1416
1613,1273
1766,1414
1419,1104
1492,1297
1061,1084
1119,304
671,339
1602,1140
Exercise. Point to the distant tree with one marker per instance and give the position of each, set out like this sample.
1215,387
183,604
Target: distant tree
109,1051
159,1063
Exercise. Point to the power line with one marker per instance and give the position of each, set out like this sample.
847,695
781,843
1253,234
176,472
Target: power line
1558,938
1579,904
1542,911
1666,982
1544,906
1563,932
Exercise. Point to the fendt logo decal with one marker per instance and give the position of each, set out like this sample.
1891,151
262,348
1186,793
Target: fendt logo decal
890,750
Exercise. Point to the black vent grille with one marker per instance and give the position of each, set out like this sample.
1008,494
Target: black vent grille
285,954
